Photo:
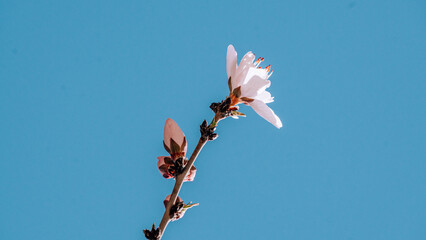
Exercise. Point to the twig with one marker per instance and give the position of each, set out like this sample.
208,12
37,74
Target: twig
207,133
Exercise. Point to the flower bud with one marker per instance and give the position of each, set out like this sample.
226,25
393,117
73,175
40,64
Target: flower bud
179,208
170,168
174,140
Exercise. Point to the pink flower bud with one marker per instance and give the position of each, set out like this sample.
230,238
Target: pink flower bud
166,201
165,164
179,208
174,140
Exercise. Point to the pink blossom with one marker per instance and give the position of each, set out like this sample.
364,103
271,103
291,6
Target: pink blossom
164,166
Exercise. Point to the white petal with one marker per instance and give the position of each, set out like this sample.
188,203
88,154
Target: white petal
231,60
239,76
255,86
261,73
242,69
264,111
248,59
265,97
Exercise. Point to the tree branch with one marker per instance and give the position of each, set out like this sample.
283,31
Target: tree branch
207,134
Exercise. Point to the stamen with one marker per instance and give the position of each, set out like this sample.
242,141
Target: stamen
268,68
258,61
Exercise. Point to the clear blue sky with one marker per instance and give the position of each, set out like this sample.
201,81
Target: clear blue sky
86,86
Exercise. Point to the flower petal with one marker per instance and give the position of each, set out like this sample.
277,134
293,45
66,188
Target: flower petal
265,97
254,87
239,76
242,69
231,60
172,131
163,166
267,113
248,59
191,174
255,72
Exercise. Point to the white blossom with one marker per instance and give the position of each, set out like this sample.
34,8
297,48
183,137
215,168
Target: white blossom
248,83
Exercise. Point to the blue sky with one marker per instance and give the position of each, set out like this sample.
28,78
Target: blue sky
86,86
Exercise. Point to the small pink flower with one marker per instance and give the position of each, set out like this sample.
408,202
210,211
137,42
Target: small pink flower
179,208
174,140
248,83
165,164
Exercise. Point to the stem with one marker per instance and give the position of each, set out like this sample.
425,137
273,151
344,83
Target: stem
179,179
222,111
178,186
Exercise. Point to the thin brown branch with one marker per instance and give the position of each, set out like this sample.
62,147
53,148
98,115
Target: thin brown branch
178,185
222,111
179,179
